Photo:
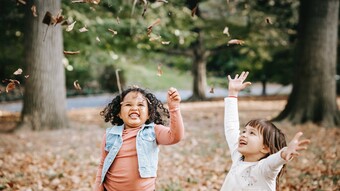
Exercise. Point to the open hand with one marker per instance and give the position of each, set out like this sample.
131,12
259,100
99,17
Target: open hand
236,84
294,146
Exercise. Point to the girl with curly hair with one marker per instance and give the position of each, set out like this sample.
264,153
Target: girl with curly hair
129,156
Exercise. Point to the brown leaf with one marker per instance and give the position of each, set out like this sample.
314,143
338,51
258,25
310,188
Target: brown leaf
159,70
49,19
70,26
76,85
268,20
34,10
71,52
236,41
84,29
96,2
165,42
18,71
27,76
211,90
113,32
12,85
193,11
226,31
22,2
158,20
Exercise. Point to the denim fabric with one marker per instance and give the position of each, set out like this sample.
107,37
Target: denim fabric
146,146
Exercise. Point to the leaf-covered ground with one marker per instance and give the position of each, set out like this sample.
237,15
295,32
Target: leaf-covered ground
67,159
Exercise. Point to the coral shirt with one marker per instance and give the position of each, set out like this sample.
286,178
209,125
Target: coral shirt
123,174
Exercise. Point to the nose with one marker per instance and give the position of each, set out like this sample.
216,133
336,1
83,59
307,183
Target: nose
243,134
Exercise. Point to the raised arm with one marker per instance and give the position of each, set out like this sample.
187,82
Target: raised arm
175,133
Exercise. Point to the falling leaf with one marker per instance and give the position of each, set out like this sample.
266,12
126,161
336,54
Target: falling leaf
76,85
96,2
97,39
159,70
211,90
155,38
165,42
34,10
236,41
113,32
84,29
71,52
27,76
158,20
70,26
268,20
226,31
22,2
49,19
145,7
118,20
18,71
193,11
11,85
163,1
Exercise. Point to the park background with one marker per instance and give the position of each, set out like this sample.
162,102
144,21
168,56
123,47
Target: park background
52,51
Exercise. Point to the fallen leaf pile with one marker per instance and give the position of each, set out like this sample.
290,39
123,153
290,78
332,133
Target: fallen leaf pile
67,159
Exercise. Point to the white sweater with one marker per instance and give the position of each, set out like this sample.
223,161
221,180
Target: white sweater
260,175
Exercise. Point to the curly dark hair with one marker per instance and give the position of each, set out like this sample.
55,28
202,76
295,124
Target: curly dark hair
155,108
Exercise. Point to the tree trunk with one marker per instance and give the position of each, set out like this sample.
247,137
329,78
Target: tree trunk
313,98
44,105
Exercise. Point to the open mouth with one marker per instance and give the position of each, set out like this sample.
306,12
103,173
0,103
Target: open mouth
134,115
242,142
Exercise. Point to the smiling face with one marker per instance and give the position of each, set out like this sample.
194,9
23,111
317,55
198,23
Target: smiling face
251,144
134,110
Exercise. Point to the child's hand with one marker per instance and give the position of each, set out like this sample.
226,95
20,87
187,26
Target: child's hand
294,146
236,84
173,98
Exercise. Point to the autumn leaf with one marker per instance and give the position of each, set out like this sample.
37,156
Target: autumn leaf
27,76
163,1
211,90
113,32
193,11
226,31
268,20
22,2
70,26
96,2
236,41
18,71
12,85
97,39
159,70
71,52
154,38
84,29
76,85
165,42
158,20
34,10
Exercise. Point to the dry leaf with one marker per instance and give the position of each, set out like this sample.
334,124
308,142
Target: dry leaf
12,85
96,2
70,26
163,1
118,20
76,85
226,31
49,19
211,90
158,20
193,11
155,38
34,10
97,39
236,41
159,70
84,29
268,20
22,2
71,52
27,76
18,71
165,42
113,32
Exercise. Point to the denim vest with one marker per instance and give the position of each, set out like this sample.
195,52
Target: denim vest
146,146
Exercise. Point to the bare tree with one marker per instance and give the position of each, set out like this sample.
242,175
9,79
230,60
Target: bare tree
45,95
313,97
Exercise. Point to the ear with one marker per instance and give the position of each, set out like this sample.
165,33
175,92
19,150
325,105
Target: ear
265,150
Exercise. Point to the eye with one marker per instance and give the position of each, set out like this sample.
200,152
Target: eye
141,105
252,133
243,131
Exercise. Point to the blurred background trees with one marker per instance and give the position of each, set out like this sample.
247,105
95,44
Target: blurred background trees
165,43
